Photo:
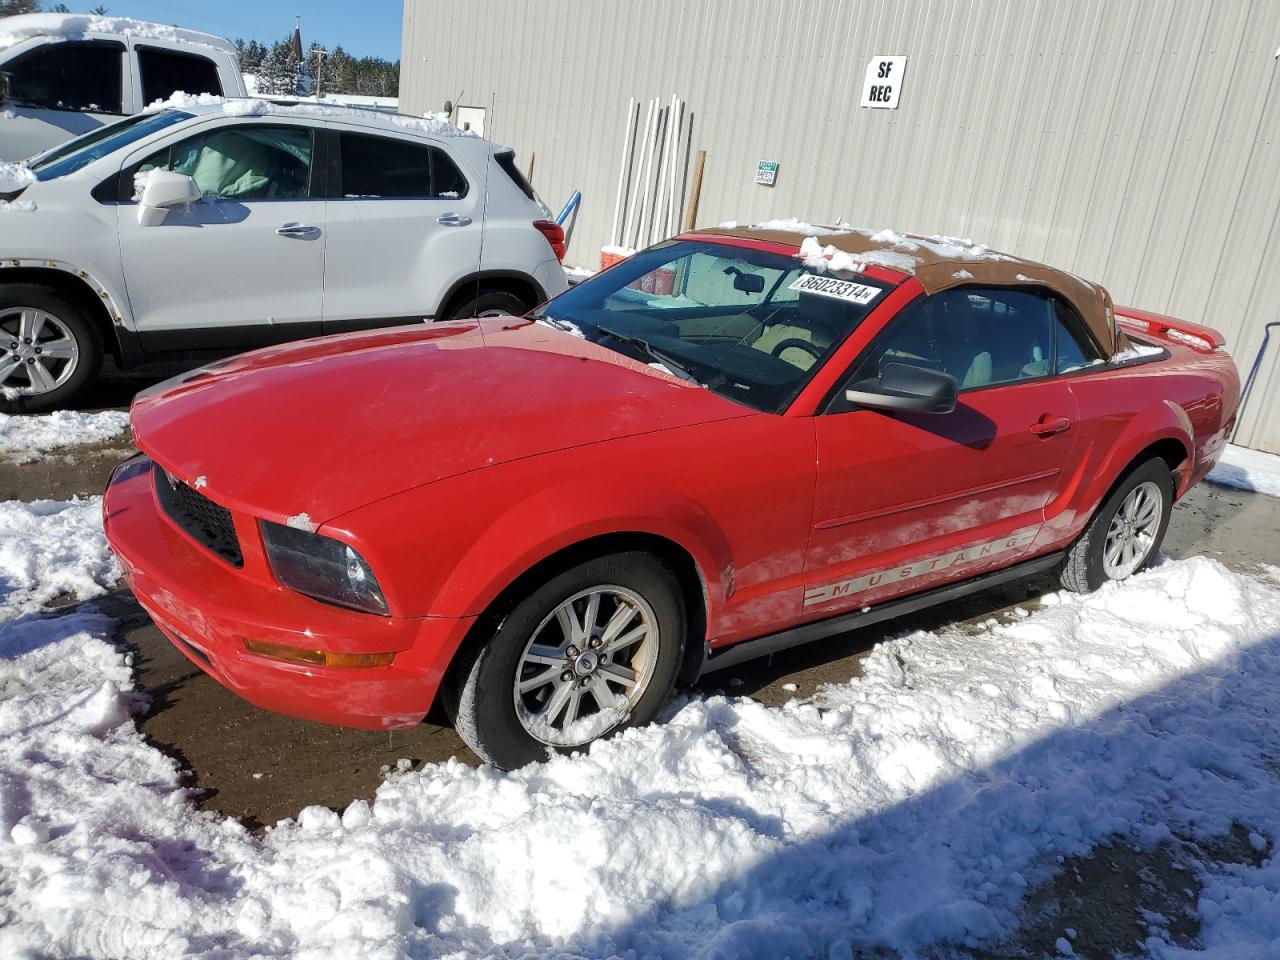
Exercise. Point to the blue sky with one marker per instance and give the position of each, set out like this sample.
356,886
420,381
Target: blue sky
363,29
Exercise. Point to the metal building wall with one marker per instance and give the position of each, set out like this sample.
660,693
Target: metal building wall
1130,141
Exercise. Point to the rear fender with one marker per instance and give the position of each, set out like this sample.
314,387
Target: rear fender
1158,426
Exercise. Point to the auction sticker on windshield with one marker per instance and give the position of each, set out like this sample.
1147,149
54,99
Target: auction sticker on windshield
831,287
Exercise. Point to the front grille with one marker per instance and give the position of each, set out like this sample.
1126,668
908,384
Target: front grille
204,521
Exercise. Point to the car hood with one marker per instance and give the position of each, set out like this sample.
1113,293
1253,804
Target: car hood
321,427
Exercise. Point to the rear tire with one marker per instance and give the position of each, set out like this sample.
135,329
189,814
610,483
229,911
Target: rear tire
488,303
1126,532
560,652
49,349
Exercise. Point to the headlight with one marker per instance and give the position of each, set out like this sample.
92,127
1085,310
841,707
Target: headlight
322,568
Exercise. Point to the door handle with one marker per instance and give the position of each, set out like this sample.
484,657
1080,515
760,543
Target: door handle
453,220
1047,426
297,230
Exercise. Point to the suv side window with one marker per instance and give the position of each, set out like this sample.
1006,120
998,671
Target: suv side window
982,337
85,77
166,72
387,167
244,162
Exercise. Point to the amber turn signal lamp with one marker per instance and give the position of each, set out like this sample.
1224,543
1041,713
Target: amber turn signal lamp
317,658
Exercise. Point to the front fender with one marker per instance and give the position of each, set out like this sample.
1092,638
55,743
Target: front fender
535,528
448,549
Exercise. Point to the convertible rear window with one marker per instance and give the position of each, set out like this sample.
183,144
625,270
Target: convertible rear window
751,325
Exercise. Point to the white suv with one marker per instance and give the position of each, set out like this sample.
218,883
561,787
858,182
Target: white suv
212,226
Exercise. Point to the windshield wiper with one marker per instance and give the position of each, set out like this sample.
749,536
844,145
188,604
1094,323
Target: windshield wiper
676,368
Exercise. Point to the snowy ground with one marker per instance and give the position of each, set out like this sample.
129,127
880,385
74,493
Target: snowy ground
1247,469
910,808
25,439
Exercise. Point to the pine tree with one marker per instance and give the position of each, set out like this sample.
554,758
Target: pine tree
274,76
12,8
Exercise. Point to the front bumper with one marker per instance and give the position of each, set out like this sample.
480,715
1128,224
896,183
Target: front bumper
208,609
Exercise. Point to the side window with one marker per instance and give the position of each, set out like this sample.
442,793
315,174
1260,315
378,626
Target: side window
387,167
981,337
84,77
166,72
1076,348
243,163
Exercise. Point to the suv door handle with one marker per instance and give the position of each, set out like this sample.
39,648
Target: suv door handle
297,230
1047,426
453,220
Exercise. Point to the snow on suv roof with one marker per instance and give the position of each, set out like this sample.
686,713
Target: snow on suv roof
74,26
939,263
203,104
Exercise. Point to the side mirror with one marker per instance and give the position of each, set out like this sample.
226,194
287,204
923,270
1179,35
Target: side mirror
4,86
902,386
165,189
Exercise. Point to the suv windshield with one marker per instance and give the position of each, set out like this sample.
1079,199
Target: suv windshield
750,325
96,144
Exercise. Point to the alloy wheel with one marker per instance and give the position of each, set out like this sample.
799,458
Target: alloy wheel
38,352
586,666
1132,533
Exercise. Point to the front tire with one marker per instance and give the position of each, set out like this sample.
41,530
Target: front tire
488,303
591,651
49,349
1126,532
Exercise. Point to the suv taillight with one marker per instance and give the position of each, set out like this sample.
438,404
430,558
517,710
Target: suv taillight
554,234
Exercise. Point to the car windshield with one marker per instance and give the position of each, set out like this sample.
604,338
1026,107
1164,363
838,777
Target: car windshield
751,325
96,144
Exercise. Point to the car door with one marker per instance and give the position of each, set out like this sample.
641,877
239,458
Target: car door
404,222
59,90
244,266
907,501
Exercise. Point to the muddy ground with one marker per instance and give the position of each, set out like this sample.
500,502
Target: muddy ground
261,767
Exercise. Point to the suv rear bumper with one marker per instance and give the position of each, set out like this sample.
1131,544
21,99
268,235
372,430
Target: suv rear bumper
209,609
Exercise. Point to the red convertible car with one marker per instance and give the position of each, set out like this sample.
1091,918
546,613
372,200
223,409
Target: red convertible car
731,443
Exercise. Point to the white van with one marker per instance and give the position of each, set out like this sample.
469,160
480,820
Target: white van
62,74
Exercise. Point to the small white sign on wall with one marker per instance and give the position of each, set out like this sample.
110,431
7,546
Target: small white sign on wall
883,82
767,172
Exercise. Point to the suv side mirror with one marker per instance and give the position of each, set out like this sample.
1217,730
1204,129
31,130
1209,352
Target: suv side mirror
4,86
164,190
903,386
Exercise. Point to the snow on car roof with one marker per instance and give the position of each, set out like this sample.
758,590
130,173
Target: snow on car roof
73,26
433,124
937,262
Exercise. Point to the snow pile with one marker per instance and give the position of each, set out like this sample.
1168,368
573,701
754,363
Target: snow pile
433,124
1247,469
51,550
17,206
25,438
1137,351
14,30
15,176
819,257
908,808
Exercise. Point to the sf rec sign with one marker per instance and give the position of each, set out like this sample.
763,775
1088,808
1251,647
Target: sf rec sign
883,82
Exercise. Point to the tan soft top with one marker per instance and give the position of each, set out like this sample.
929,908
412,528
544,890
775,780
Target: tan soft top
940,263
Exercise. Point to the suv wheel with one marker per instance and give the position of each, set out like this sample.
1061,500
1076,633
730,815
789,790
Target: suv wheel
1126,532
591,651
488,303
49,349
